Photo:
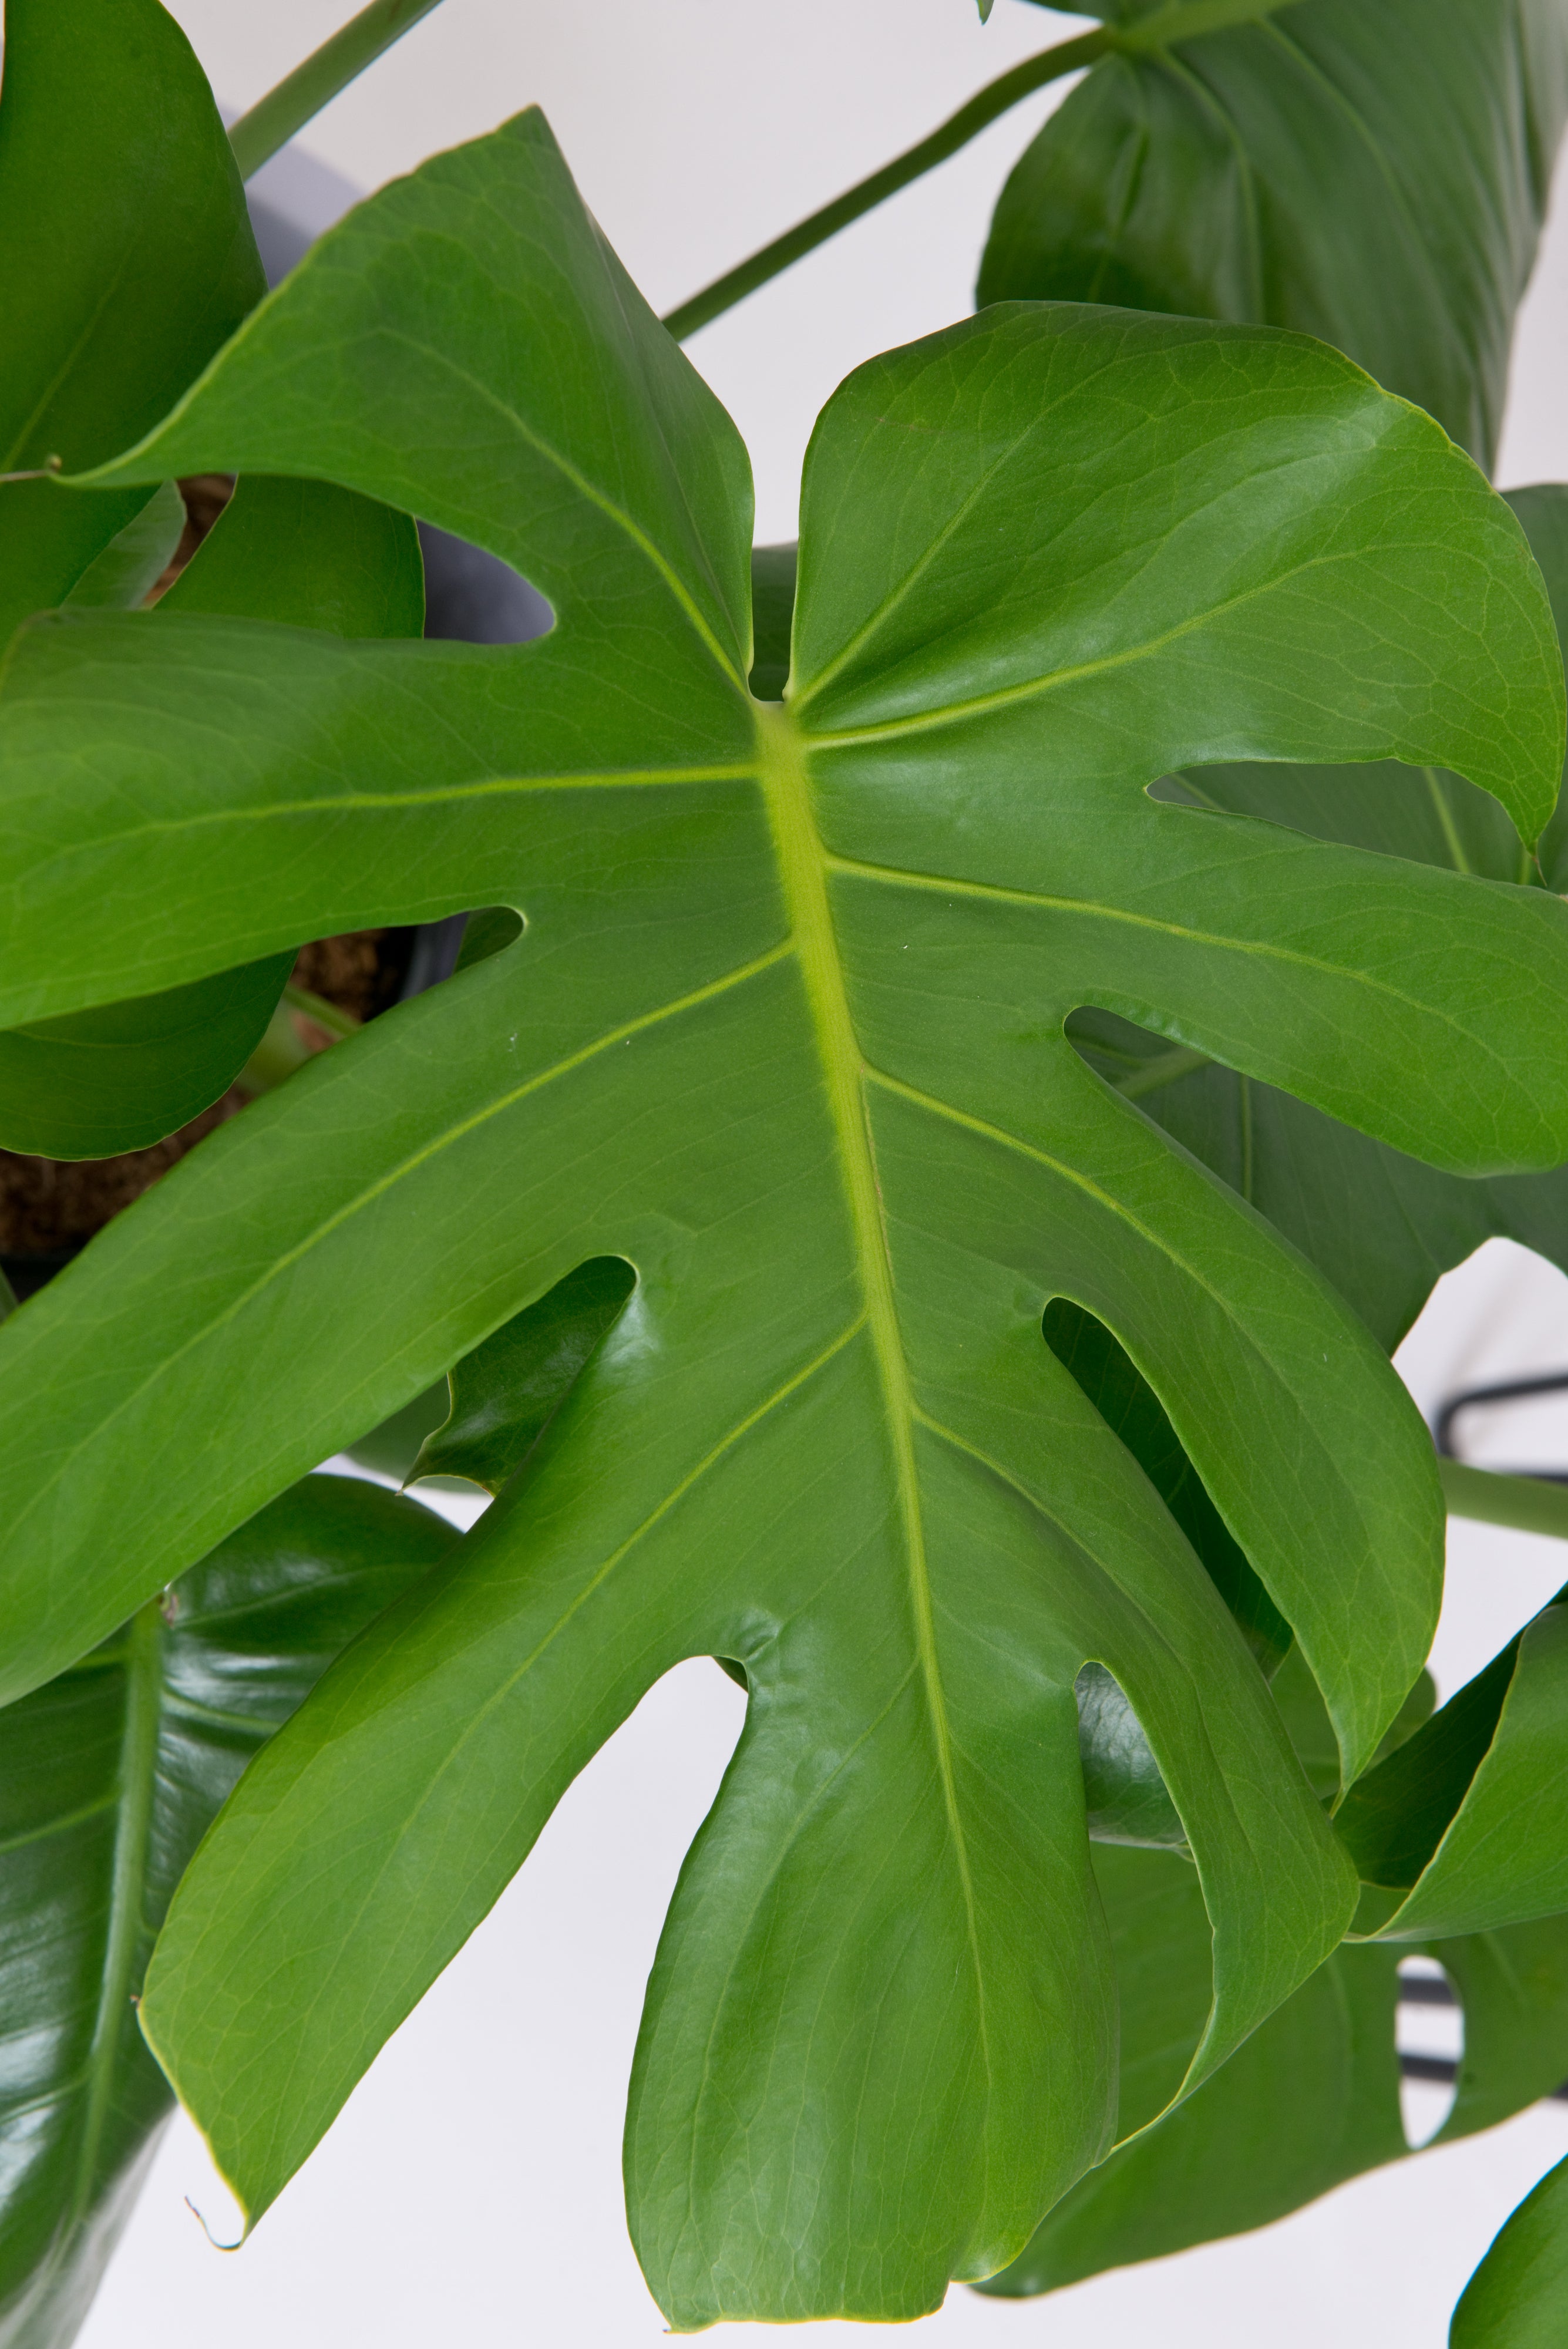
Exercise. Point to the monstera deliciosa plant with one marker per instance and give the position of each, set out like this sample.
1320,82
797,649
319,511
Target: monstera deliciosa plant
974,1040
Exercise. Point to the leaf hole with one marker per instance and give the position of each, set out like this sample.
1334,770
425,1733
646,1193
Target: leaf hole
1107,1374
1430,2040
472,597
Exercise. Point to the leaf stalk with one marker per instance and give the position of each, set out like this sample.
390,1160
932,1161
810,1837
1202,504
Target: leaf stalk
1180,20
1528,1504
996,98
274,119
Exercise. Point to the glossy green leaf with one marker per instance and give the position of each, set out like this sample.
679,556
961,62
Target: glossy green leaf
1310,2100
127,259
1516,2297
784,1032
121,1076
1471,1813
109,1777
1374,176
506,1394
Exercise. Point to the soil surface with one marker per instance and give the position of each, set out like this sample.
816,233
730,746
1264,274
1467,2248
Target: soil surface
205,496
51,1208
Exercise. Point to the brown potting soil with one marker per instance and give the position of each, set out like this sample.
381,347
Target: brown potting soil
49,1207
205,496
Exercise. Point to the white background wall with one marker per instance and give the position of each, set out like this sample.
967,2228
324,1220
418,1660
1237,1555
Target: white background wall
470,2194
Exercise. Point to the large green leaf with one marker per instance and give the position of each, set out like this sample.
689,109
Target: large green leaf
126,261
1468,1821
1374,176
1310,2100
784,1032
1516,2297
121,1076
109,1777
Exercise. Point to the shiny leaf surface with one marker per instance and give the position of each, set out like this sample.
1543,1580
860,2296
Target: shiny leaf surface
109,1777
783,1032
1377,177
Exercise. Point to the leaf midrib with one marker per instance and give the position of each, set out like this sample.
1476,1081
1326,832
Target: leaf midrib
803,868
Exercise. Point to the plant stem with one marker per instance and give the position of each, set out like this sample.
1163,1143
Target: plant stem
1162,1070
1526,1503
330,1016
983,108
1180,20
272,122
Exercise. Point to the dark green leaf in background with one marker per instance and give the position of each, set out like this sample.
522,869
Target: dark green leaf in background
1471,1815
123,576
121,1076
1376,176
109,1777
126,260
784,1033
1310,2100
1380,1225
504,1395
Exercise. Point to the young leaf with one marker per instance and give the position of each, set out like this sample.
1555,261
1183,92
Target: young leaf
127,259
1471,1815
784,1032
1516,2297
1377,177
110,1775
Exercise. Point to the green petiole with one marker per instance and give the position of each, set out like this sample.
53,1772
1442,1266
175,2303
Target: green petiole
1183,20
272,122
1528,1504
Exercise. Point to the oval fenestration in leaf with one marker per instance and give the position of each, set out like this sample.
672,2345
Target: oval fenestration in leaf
783,1031
1317,170
120,1076
127,259
1310,2100
109,1777
1516,2297
1471,1815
